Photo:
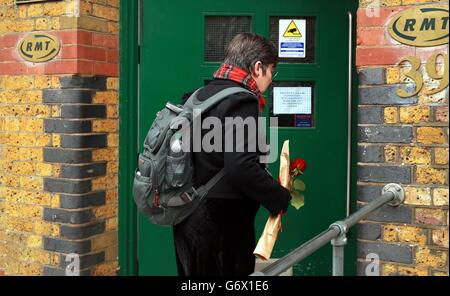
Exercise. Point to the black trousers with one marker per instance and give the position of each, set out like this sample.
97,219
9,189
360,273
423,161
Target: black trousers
217,239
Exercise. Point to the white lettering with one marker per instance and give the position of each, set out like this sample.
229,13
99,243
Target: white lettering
193,286
373,268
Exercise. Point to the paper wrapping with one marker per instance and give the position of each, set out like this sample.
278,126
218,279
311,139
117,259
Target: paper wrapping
269,236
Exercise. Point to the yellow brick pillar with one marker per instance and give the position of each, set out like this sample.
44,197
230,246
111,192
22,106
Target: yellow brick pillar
59,139
404,138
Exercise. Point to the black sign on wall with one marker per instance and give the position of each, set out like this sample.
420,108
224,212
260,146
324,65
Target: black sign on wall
33,1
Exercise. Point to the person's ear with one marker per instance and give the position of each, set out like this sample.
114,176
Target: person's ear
257,69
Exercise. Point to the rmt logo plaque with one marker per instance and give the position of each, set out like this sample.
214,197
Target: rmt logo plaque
39,48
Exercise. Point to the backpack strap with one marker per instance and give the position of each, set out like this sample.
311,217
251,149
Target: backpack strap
189,102
194,103
203,190
218,97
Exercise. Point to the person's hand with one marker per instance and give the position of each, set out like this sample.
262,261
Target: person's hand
288,187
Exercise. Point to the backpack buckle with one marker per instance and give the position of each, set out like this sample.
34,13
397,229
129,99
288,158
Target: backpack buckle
186,197
174,108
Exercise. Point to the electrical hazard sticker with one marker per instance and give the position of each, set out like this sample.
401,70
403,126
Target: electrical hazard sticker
292,38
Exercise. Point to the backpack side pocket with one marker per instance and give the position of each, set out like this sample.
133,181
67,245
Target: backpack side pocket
142,191
178,170
145,166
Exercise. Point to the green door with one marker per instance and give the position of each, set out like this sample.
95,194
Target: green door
182,44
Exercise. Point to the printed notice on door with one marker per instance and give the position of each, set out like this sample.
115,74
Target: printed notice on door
292,100
292,38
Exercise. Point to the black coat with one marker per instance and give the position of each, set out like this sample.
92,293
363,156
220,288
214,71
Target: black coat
218,238
245,176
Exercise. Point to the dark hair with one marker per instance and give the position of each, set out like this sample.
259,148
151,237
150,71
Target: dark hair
245,49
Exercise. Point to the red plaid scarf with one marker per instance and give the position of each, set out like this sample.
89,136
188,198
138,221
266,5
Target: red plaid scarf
241,76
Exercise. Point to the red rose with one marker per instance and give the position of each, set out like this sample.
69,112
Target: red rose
299,164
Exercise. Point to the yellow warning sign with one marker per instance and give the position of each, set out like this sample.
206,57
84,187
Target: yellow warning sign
292,31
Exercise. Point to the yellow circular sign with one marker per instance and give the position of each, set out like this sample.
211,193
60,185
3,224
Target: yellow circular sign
421,26
39,47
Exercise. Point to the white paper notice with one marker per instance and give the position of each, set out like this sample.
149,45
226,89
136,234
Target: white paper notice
292,38
292,100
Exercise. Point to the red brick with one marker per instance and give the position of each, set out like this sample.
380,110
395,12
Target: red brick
424,53
61,67
2,272
69,67
8,55
109,41
36,68
9,40
11,68
84,38
53,67
112,56
373,36
97,54
70,52
369,56
67,37
85,67
106,69
74,37
386,14
83,52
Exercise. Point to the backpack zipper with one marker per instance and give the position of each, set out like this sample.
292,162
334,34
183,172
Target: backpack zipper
156,198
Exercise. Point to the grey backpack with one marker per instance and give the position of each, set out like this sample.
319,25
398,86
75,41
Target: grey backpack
163,189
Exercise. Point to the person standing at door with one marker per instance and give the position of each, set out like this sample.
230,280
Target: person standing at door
219,237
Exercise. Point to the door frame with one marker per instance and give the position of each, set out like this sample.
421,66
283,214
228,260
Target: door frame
128,146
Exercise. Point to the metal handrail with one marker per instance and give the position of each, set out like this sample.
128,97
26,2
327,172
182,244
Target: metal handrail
392,194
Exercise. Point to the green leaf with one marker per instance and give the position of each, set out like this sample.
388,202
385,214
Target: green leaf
298,185
298,200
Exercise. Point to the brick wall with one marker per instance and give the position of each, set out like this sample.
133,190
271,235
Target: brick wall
58,139
401,140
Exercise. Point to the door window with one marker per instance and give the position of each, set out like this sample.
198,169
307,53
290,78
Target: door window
293,103
219,30
310,54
